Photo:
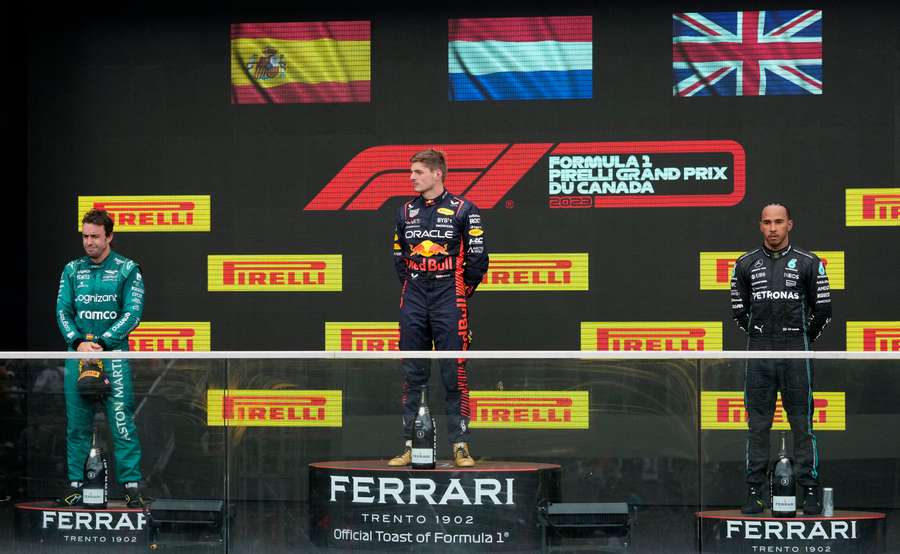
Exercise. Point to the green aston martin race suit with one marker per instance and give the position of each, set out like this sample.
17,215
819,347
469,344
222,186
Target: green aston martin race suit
104,300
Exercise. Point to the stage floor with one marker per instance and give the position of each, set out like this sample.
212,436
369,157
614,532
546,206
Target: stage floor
279,528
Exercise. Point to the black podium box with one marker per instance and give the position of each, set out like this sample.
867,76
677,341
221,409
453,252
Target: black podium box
186,523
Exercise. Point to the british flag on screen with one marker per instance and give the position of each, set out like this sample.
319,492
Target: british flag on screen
747,53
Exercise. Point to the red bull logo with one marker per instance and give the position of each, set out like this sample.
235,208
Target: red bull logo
427,249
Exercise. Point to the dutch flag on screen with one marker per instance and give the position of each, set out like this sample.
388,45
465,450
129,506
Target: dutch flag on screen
520,58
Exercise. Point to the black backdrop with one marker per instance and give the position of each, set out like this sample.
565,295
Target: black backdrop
137,102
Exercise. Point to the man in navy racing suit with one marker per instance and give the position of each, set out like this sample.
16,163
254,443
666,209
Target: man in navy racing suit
440,258
780,297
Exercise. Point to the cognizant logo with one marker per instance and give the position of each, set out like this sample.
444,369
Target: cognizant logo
88,298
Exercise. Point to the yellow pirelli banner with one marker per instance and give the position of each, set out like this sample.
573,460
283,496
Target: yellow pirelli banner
535,409
726,410
170,336
716,268
638,336
275,273
274,408
873,336
878,207
362,335
153,214
554,272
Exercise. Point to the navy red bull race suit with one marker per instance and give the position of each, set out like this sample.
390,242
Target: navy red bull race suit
440,258
782,300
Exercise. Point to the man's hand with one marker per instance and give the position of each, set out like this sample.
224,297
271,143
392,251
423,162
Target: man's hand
86,346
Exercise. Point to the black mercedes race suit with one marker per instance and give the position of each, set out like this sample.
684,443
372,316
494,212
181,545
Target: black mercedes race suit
782,301
440,257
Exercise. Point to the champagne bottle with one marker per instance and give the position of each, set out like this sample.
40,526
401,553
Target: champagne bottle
424,442
784,490
96,478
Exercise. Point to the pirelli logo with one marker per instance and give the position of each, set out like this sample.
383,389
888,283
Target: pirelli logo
170,336
716,268
873,207
274,408
726,410
542,409
362,335
555,272
648,336
275,273
873,336
152,214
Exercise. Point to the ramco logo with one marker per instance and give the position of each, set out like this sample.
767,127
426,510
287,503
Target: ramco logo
151,213
485,173
100,315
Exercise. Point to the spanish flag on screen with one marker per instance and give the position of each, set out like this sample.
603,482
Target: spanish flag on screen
309,62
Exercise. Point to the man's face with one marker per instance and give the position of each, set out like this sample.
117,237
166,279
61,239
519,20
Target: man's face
775,227
424,180
95,240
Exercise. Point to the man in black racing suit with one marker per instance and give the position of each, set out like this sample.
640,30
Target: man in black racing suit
780,297
440,258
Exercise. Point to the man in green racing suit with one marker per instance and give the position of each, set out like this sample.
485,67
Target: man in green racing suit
100,300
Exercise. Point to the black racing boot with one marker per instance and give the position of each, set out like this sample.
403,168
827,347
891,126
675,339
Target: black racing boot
72,496
133,496
812,506
755,503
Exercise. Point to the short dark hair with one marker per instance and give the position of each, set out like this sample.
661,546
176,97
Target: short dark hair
99,217
783,205
432,159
